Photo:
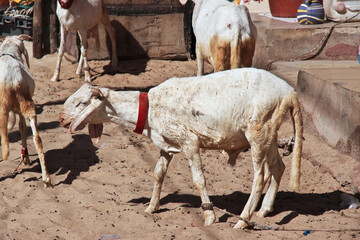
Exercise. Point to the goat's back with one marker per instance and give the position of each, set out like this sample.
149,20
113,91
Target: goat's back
221,18
14,75
215,106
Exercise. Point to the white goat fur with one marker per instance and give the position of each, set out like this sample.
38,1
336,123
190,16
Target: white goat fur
225,35
83,16
16,90
229,110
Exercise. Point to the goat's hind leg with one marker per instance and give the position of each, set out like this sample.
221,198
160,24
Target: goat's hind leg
159,175
39,148
258,157
4,116
276,169
110,30
84,47
24,151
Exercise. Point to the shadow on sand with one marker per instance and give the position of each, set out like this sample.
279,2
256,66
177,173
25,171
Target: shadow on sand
314,204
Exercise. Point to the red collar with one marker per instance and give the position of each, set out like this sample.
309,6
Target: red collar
143,108
66,5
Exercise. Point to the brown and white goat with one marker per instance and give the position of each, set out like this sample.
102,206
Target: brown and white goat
225,35
16,90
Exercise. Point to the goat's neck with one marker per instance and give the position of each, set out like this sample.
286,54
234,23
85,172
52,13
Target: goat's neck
11,50
123,107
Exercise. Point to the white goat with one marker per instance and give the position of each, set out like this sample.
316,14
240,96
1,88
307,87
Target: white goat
16,90
225,35
83,16
229,110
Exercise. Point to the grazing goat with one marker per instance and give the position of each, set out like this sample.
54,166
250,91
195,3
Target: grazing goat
83,17
229,110
16,90
225,35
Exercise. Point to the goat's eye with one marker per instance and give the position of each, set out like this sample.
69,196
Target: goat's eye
81,103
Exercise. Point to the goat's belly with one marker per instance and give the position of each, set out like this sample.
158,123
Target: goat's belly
234,141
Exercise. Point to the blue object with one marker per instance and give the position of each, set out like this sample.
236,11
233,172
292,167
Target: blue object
306,232
310,12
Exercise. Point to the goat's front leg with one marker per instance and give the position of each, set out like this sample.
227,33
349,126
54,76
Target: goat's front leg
4,116
56,74
84,47
192,153
39,148
159,175
22,129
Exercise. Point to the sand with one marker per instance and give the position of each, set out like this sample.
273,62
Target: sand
101,192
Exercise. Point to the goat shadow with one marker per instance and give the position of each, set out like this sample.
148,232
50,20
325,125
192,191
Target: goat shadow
78,156
132,56
314,204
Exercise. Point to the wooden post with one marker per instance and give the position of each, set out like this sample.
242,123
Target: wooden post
54,29
37,29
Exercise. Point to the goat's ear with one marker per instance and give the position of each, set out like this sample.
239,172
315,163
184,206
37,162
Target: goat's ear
83,118
23,37
183,2
26,54
97,93
2,38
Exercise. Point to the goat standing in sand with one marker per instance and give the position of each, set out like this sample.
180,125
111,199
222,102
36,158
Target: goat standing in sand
83,16
229,110
16,90
225,35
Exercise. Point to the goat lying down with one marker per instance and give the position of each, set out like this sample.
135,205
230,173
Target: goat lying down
229,110
16,90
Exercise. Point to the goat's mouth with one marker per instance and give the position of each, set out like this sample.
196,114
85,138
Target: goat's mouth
64,122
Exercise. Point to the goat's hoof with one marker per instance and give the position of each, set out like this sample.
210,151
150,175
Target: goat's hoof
54,79
263,212
47,183
241,225
209,217
151,209
26,161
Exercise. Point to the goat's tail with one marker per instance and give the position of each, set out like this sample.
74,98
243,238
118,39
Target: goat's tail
296,116
235,48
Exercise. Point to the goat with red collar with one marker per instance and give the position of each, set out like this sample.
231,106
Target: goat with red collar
83,17
229,110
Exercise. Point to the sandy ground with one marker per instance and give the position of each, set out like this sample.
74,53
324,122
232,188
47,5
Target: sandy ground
101,192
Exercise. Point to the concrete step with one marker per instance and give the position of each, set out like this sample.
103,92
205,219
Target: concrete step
284,39
329,92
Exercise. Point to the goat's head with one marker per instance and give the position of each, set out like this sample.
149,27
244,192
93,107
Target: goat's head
14,45
85,107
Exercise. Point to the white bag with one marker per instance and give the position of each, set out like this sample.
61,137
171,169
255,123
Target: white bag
341,10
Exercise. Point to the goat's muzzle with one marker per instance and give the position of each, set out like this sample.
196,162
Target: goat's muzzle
65,122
